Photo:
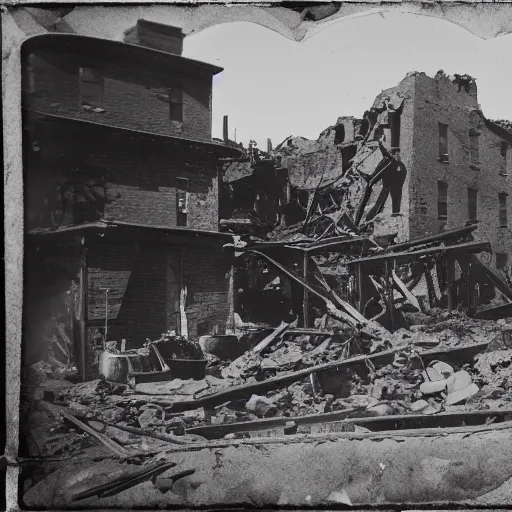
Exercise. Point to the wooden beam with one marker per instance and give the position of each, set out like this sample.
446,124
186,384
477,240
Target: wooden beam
438,237
404,257
305,299
496,280
83,312
245,390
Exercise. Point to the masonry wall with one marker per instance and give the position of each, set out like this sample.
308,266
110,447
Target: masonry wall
118,176
206,272
437,101
135,92
135,274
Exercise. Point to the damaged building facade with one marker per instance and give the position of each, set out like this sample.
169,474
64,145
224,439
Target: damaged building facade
447,167
458,164
122,191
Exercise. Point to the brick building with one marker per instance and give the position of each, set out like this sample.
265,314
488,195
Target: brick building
122,186
459,163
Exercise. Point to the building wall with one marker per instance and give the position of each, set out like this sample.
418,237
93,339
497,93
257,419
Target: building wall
125,177
135,274
438,101
135,93
206,273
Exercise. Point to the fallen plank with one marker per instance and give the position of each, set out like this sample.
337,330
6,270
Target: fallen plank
405,291
438,237
124,481
494,312
339,420
186,439
103,439
263,344
457,355
496,280
407,257
245,390
340,315
219,431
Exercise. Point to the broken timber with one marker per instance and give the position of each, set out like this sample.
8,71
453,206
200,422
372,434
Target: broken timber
341,421
245,390
325,372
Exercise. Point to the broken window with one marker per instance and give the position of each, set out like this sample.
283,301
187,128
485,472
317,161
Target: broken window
182,201
472,203
442,200
503,210
394,125
176,103
503,149
474,151
501,260
91,87
443,142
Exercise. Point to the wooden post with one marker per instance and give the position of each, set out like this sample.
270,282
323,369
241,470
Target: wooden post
471,287
359,285
225,129
389,295
432,299
82,340
305,303
450,277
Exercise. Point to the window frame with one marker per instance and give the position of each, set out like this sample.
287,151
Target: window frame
442,193
176,102
96,81
503,210
444,155
474,148
501,256
472,208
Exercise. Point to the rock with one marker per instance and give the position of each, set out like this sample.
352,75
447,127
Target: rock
380,410
149,417
290,428
112,414
78,410
462,394
261,406
363,401
432,387
457,381
419,405
96,425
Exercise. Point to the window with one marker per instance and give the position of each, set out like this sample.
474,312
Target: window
176,103
442,200
503,210
503,149
443,142
472,203
91,87
181,201
474,152
501,260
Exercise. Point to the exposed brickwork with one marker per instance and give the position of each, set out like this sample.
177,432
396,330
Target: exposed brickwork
136,275
135,94
207,278
139,176
437,101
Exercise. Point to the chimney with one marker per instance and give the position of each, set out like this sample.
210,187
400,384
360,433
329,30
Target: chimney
157,36
225,132
269,145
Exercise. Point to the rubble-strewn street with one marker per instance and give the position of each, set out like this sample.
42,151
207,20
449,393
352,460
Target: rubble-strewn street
326,322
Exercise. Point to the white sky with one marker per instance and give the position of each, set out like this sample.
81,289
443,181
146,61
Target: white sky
274,87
